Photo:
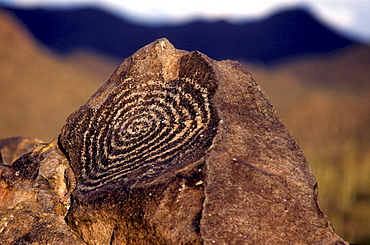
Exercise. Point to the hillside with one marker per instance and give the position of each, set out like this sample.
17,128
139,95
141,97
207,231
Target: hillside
283,35
322,99
38,90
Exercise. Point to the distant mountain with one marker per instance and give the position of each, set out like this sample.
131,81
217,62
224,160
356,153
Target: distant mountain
281,36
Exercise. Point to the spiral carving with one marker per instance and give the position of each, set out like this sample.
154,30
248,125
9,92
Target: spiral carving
145,129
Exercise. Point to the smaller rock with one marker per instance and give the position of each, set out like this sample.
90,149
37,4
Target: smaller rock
14,147
35,193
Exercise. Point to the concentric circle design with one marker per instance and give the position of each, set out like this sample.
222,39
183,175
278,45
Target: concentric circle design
144,130
140,127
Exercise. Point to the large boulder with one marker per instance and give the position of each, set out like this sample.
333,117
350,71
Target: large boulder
175,148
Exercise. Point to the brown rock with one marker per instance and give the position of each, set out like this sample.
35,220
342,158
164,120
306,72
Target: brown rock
14,147
175,148
35,197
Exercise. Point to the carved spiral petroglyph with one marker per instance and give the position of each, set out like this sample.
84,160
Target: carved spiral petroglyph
145,129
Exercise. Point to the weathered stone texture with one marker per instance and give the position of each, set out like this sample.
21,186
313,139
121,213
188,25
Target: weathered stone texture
35,196
175,148
259,186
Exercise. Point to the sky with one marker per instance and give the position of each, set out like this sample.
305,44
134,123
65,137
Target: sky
349,17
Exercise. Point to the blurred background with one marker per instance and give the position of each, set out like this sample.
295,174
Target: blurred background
312,58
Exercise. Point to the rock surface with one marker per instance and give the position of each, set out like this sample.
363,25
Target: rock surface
35,195
14,147
175,148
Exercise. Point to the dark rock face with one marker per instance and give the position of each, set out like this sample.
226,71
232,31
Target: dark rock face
140,125
175,148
